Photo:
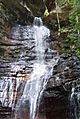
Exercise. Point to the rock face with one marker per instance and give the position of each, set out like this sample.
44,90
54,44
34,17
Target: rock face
5,111
66,70
61,97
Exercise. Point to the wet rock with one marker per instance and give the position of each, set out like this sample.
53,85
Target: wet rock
54,103
67,68
0,104
5,110
57,95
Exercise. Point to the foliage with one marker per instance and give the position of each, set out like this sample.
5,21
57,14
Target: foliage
75,25
72,41
46,13
68,24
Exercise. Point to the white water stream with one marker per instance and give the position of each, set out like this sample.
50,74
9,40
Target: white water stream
41,71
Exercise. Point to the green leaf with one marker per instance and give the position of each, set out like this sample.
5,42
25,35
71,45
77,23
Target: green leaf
46,13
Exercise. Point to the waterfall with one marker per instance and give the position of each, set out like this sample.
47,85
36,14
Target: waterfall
40,58
42,70
40,33
74,101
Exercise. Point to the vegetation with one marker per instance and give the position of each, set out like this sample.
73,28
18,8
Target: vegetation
66,26
72,40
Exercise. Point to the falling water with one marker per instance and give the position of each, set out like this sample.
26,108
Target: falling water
42,61
40,34
74,101
42,70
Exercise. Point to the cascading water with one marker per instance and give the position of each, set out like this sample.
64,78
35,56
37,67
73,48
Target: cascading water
38,62
74,101
25,71
42,70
